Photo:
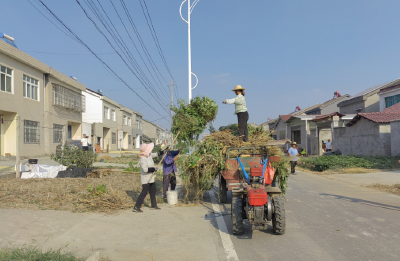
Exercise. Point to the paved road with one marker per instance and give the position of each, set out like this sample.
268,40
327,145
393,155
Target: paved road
327,220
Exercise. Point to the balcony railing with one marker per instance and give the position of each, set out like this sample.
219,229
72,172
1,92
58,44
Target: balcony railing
68,99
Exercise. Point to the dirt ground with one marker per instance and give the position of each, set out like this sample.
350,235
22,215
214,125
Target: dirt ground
112,192
395,189
120,160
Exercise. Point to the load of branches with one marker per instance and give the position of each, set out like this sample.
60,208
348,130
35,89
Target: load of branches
200,169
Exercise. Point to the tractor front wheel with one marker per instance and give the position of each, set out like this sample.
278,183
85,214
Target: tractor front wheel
279,217
223,191
237,215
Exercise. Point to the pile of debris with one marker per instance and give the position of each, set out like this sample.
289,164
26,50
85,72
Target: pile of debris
201,168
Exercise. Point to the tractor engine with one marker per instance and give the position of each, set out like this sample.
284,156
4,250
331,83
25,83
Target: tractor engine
258,203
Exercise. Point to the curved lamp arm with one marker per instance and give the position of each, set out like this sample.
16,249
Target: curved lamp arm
180,12
197,81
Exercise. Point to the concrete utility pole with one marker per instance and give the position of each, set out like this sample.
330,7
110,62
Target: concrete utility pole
190,9
17,155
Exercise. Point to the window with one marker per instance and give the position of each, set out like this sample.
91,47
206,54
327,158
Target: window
106,113
129,139
113,115
114,138
124,121
30,88
58,133
129,122
296,137
68,99
31,132
5,79
392,100
138,122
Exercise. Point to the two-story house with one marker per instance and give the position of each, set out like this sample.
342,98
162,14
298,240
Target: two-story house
102,114
47,104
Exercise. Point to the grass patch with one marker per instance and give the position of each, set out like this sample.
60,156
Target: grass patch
120,160
351,163
34,253
395,189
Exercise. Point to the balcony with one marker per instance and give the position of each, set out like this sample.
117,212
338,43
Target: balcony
68,99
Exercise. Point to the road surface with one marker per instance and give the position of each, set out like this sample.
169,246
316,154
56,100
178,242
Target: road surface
326,220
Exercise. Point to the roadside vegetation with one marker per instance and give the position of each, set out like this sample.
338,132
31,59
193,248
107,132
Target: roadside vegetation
73,157
341,163
34,253
395,189
119,160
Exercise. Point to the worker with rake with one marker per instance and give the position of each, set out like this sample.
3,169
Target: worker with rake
147,170
169,168
240,111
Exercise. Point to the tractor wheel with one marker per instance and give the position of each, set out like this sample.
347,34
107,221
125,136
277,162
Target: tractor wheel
279,217
223,191
237,218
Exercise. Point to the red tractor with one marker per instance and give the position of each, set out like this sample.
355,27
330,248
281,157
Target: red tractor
255,192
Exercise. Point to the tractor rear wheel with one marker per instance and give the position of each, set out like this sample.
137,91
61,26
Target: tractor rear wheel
279,217
223,191
237,215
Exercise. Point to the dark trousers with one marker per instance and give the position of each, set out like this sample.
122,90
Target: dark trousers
85,148
293,169
150,187
243,117
168,179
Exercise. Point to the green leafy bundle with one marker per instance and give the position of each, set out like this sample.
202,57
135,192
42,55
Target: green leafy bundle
72,156
190,120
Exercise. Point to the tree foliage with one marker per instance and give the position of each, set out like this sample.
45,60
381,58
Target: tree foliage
72,156
192,119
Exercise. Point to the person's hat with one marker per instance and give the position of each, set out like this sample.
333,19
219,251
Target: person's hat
238,88
294,143
164,147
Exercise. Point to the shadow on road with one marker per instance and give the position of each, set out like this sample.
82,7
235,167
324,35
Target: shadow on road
364,202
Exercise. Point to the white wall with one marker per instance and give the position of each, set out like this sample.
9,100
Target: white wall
384,95
94,108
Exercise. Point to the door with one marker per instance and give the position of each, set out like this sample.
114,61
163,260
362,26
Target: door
69,132
0,137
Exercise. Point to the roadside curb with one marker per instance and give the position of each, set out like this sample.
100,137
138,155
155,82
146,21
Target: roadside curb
94,257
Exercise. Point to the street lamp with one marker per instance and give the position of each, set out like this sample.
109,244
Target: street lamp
190,9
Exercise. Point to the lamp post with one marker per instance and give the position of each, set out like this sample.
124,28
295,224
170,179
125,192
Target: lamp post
190,9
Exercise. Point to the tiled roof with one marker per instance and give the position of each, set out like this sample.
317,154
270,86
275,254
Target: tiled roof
306,109
393,108
322,117
385,116
285,118
343,97
391,88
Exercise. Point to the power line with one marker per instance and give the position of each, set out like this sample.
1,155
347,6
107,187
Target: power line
89,49
120,43
102,33
67,53
155,38
141,57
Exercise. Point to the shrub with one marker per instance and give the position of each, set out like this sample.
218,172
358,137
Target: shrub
323,163
72,156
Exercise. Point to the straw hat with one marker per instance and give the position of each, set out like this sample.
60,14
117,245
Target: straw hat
294,143
238,88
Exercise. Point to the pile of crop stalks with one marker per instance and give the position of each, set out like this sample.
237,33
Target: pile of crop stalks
103,191
210,157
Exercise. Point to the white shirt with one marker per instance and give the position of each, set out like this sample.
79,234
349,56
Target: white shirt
329,145
84,142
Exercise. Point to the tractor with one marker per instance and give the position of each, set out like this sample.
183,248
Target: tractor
256,195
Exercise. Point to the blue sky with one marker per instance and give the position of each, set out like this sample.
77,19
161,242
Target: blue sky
285,53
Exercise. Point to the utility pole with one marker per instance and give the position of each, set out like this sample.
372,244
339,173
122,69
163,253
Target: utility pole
172,104
17,155
190,9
